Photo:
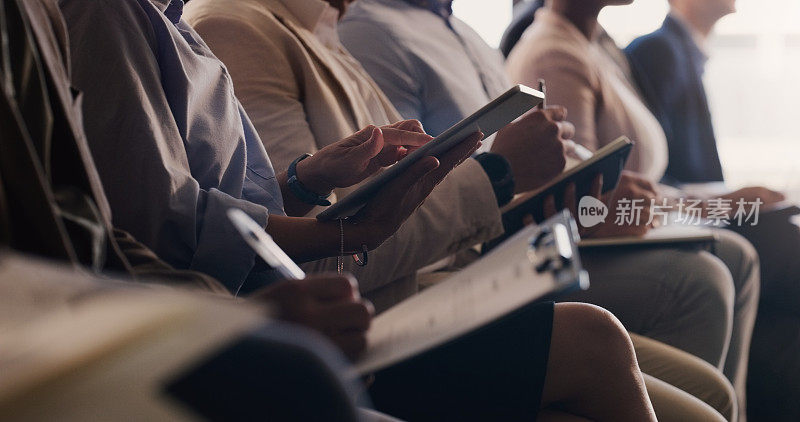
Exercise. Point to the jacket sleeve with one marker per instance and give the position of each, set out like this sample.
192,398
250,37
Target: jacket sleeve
144,265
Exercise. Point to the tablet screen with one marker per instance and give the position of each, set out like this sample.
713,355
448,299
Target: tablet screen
489,119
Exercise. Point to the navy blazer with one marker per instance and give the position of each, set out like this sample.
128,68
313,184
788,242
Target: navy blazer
668,67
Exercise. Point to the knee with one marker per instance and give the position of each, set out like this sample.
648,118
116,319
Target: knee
600,334
709,286
741,257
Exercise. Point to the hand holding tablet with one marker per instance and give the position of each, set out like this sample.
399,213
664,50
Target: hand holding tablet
488,120
608,161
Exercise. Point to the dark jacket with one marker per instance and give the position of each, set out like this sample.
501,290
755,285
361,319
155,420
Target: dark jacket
668,67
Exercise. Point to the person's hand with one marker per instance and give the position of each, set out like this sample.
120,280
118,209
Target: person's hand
535,147
755,193
353,159
327,303
571,201
396,201
631,187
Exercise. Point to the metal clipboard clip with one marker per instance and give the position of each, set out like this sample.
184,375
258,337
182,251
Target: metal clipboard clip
554,249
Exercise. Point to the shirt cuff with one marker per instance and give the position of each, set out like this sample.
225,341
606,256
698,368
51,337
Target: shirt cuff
221,251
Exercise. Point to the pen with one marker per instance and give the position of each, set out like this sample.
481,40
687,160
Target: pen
543,90
580,152
265,247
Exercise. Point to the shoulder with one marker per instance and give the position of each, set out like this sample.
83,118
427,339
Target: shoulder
109,22
657,48
382,12
378,30
545,48
109,12
387,19
242,28
235,16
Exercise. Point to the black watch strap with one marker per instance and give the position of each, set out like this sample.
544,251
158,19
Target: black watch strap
499,171
300,191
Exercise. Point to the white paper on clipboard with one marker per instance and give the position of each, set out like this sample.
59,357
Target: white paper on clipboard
536,262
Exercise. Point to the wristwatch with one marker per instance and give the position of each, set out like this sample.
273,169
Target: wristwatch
300,191
499,171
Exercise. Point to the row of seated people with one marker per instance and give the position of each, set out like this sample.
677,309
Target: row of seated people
175,149
664,70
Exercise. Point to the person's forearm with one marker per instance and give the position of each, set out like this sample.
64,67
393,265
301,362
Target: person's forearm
308,239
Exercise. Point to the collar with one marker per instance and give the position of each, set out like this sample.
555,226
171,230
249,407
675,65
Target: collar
697,38
307,12
172,9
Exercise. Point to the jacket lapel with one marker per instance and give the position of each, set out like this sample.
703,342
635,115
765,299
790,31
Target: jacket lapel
318,51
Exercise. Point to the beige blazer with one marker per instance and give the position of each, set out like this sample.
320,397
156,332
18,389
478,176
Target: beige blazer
584,78
293,90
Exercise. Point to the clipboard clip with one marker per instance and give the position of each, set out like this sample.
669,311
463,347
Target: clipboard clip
554,250
551,249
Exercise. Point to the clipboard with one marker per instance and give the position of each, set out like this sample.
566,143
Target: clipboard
72,341
489,119
609,160
538,262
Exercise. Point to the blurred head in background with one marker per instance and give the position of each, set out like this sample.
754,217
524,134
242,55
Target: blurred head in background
703,14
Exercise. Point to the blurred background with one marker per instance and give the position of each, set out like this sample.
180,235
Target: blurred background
752,78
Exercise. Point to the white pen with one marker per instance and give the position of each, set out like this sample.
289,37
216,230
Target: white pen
579,151
265,247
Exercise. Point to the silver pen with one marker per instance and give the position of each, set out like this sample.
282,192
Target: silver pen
261,242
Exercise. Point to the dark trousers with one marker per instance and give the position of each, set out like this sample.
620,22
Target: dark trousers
280,373
773,385
494,373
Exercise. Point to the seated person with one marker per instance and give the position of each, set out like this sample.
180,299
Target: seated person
302,103
192,163
46,170
332,306
385,36
304,91
668,66
565,46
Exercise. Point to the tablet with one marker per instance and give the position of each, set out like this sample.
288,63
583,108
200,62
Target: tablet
609,160
492,117
670,235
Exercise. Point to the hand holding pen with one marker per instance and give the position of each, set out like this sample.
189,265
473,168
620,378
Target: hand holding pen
327,303
574,150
